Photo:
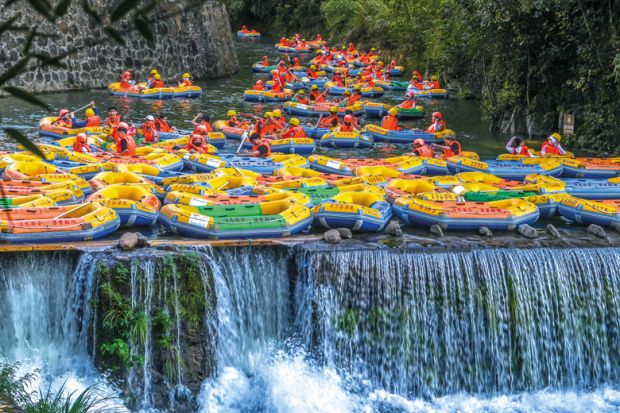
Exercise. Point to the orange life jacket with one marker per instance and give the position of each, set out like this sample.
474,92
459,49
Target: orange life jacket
264,145
93,121
437,126
549,149
390,122
294,132
312,74
186,82
113,120
317,96
125,144
424,150
206,125
196,145
329,122
347,128
407,104
159,84
258,87
162,126
302,99
124,84
233,122
149,132
449,152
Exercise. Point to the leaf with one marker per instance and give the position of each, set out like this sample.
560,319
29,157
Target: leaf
28,97
14,70
62,8
143,27
29,40
91,12
23,140
122,9
113,33
51,61
44,8
7,25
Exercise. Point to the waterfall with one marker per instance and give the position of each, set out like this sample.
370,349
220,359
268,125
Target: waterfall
485,321
45,302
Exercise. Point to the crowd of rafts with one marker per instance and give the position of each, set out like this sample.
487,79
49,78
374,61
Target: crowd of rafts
100,174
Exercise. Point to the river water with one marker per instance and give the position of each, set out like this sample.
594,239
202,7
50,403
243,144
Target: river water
464,117
506,330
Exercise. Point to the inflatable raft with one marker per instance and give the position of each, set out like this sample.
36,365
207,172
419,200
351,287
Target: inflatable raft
260,68
428,93
135,205
262,220
48,129
367,92
140,92
498,215
319,109
267,96
605,213
248,35
406,136
346,140
378,110
57,224
359,211
516,170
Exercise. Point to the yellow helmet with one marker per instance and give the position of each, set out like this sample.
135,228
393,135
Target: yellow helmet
393,111
333,109
434,77
154,71
186,76
347,92
156,76
556,136
231,113
268,115
357,87
312,67
301,92
314,87
89,112
294,122
372,49
277,112
380,63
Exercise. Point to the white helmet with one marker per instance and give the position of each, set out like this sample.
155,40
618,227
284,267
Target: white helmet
150,117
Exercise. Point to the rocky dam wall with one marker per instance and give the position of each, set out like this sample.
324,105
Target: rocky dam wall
188,38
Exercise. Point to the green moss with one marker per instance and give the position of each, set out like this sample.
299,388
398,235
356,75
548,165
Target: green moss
348,320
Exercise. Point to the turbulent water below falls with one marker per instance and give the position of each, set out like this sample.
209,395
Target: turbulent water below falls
315,331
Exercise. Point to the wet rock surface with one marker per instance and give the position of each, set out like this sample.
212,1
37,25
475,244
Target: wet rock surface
198,40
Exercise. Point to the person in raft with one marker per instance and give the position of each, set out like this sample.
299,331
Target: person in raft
301,97
150,80
113,119
81,144
347,124
294,131
64,119
203,119
162,125
125,144
258,85
438,124
157,82
93,118
185,80
420,148
390,121
260,146
552,145
197,143
516,146
331,121
126,81
451,147
150,133
409,102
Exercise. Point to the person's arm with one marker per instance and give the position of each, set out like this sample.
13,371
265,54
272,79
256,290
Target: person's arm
195,120
78,123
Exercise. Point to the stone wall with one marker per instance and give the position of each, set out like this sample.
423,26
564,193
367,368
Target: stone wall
198,40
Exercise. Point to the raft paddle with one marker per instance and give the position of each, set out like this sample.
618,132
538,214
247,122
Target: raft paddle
243,138
77,110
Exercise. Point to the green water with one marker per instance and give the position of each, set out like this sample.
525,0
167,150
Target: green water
464,117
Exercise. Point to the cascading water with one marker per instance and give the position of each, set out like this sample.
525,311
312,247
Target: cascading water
46,315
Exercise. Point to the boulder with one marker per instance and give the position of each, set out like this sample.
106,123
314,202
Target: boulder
345,233
485,231
393,228
553,231
597,231
436,230
143,242
128,241
332,236
527,231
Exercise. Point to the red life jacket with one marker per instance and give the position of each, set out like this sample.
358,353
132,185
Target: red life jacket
317,96
346,128
186,82
437,127
81,147
329,122
159,84
424,150
258,87
129,145
196,145
162,126
113,120
549,149
390,122
124,84
302,99
150,133
407,104
294,132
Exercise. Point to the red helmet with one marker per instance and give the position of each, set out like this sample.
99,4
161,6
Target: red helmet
419,142
123,125
437,115
259,82
63,113
127,75
265,57
201,129
282,39
81,138
369,77
348,118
